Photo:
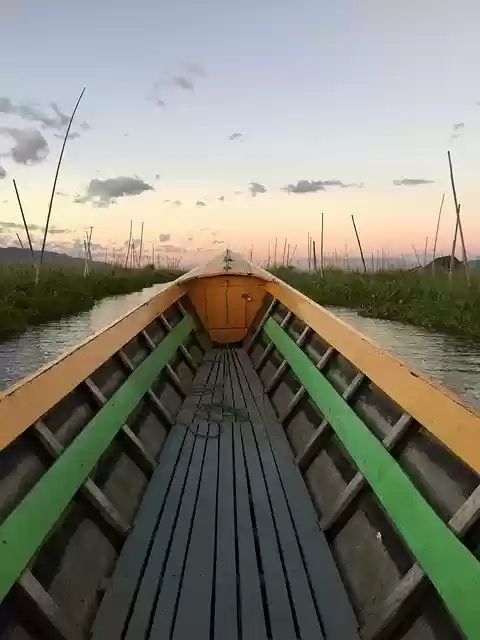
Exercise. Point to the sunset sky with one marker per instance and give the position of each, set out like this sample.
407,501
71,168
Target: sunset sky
360,93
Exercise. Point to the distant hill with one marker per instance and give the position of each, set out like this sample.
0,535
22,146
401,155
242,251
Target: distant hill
16,255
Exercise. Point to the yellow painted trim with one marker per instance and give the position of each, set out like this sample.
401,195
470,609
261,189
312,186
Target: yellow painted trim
439,411
30,399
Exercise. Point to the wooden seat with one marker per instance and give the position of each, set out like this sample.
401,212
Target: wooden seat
226,543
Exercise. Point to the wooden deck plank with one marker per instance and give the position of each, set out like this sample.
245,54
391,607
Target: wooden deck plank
279,609
226,612
115,607
251,605
194,612
170,588
306,615
338,619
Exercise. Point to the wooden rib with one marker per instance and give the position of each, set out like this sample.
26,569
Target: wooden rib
169,369
390,613
305,459
284,365
321,364
46,613
156,402
355,486
89,489
186,354
250,340
27,526
139,454
29,400
269,348
432,406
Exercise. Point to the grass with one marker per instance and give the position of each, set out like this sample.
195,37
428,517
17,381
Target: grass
63,291
408,296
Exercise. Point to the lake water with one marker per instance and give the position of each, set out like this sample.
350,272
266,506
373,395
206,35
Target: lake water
453,362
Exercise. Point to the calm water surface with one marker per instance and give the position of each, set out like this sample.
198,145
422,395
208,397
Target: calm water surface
451,361
27,352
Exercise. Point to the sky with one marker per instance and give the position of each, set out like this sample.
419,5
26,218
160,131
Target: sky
226,124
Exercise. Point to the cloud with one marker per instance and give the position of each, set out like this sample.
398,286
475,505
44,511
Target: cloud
458,125
171,248
236,136
85,126
218,242
57,120
3,172
196,69
7,224
62,194
221,198
167,202
190,239
255,188
157,176
164,237
102,193
183,83
159,102
238,192
71,136
312,186
411,182
30,145
199,203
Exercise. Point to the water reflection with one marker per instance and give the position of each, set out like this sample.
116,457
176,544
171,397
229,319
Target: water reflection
452,361
27,352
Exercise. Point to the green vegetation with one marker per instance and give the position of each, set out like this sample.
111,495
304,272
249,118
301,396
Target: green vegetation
412,297
63,291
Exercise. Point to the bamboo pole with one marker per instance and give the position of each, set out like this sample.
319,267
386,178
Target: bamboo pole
293,253
314,256
268,259
321,249
373,263
359,244
141,248
284,251
56,176
288,254
308,251
85,244
20,241
425,252
436,233
24,222
459,224
89,245
275,253
153,255
403,260
129,245
416,255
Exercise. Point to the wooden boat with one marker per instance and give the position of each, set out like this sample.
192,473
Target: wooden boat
229,460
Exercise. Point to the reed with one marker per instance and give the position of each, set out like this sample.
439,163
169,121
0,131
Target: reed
64,291
412,297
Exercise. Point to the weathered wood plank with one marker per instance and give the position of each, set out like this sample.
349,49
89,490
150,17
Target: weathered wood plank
252,600
305,612
165,609
132,565
338,619
44,610
196,601
279,608
89,489
226,610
